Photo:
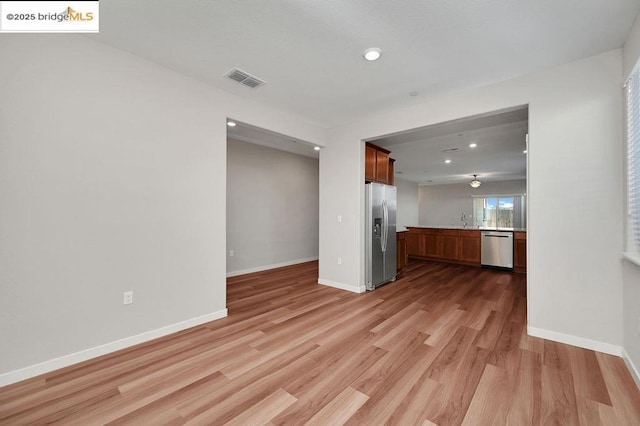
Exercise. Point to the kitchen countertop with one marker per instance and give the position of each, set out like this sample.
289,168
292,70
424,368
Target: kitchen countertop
472,228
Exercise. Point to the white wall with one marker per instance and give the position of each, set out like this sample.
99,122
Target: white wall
272,207
631,48
112,178
407,214
631,271
574,181
443,205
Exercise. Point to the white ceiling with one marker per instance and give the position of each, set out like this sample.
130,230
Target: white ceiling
500,137
310,52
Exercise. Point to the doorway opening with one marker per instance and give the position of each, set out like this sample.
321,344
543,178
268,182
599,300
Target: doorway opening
272,201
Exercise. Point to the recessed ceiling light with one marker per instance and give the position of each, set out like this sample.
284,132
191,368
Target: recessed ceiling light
524,152
317,148
231,123
473,145
414,93
447,161
372,54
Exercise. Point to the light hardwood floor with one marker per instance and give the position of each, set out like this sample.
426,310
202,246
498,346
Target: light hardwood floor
444,345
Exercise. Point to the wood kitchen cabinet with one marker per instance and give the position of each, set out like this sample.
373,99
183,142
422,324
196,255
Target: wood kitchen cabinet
520,251
414,243
401,248
378,167
449,245
447,242
430,243
369,163
469,244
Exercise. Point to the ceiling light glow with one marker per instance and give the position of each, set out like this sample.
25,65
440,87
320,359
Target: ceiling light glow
473,145
447,161
372,54
317,148
231,123
475,183
524,152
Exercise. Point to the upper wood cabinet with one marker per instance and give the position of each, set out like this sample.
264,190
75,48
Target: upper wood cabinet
378,167
370,163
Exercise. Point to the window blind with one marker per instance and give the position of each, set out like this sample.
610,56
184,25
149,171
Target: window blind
633,153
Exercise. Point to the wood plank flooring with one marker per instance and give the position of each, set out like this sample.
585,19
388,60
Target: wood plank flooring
444,345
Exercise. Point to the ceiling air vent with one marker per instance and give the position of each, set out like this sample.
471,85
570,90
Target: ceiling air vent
244,78
451,150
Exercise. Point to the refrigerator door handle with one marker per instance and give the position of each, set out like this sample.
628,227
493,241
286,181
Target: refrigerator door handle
385,220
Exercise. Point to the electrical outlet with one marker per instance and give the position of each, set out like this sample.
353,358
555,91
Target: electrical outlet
339,261
231,253
128,298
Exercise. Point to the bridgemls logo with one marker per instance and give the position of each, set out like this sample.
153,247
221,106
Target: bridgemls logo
67,15
77,16
47,17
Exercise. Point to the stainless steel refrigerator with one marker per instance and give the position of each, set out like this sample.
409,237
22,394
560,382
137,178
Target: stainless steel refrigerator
380,235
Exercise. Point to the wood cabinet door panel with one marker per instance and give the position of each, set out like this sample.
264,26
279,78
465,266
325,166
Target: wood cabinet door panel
470,249
449,247
413,244
520,251
382,167
402,251
429,245
370,163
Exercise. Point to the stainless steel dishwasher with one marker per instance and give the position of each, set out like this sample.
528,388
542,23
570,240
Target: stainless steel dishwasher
497,249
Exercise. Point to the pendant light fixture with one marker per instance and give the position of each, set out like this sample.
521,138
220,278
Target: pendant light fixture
475,182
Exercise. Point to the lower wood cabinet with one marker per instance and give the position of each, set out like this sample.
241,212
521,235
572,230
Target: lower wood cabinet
429,242
469,242
451,245
447,244
401,247
520,251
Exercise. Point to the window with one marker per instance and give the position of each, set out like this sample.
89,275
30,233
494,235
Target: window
503,211
633,156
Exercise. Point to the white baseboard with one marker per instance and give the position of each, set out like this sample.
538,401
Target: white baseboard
580,342
631,366
87,354
341,286
267,267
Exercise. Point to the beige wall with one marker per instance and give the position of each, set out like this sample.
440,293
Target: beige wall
272,207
